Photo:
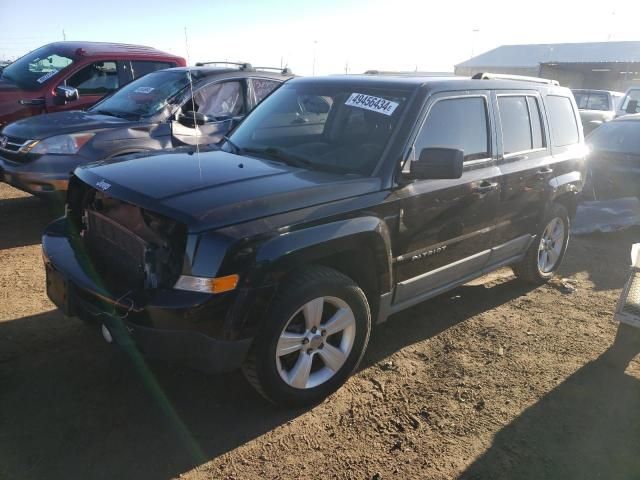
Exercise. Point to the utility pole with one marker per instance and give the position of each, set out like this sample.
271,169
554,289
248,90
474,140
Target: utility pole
474,37
64,35
613,22
313,69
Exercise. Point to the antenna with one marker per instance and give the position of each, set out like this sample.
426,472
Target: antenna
195,125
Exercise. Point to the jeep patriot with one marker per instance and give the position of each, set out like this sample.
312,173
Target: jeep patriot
336,203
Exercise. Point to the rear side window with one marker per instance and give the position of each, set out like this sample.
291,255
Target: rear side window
457,123
142,67
521,123
516,126
562,120
261,88
223,99
96,78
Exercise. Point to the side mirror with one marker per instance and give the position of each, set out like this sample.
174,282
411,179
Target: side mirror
66,94
191,119
438,163
632,106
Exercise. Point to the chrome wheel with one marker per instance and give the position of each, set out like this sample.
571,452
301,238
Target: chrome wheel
316,342
551,244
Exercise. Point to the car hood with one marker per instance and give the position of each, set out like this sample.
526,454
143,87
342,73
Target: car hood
48,125
214,189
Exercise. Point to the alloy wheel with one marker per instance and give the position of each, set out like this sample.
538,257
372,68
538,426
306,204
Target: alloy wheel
315,342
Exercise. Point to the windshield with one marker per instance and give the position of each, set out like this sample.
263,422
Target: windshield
145,96
592,100
633,94
35,68
619,137
327,127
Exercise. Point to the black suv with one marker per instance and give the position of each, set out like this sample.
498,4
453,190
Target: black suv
164,109
336,203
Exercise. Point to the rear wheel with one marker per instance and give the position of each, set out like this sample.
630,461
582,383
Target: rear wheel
312,339
545,255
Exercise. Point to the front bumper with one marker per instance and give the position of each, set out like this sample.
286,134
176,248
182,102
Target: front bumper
47,175
180,326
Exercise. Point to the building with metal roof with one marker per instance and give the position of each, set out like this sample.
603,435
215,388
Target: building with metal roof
601,65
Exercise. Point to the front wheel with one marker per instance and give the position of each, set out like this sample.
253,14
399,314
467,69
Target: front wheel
312,339
545,254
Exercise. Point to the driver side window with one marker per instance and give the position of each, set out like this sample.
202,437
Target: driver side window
225,99
97,78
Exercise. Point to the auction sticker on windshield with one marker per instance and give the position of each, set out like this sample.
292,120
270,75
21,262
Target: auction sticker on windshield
47,76
369,102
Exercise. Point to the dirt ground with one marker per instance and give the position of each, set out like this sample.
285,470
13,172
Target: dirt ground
495,380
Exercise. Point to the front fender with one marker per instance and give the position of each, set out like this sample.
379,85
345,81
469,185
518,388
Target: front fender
276,256
279,255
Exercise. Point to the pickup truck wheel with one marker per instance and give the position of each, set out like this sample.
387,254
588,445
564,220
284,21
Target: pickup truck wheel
545,254
312,338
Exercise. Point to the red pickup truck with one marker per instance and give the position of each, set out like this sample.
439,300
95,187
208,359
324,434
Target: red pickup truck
73,76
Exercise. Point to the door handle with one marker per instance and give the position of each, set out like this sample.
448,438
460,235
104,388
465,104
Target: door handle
485,187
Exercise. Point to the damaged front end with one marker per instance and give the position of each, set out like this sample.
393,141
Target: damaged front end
118,264
128,248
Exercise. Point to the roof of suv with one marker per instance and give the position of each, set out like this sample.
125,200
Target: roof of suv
257,72
101,48
435,82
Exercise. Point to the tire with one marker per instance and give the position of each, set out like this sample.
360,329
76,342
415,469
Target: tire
289,363
533,268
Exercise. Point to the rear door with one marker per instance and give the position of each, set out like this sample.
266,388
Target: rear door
525,161
221,102
446,226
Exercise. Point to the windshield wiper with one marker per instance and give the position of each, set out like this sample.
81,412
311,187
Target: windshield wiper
280,155
236,149
116,114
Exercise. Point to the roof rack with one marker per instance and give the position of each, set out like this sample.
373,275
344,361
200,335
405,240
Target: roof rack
284,71
519,78
411,73
240,65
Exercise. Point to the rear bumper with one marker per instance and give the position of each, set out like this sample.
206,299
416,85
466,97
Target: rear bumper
47,175
178,326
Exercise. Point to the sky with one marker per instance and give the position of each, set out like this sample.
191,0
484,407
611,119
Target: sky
318,37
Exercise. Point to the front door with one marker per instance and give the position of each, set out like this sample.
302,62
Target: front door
221,103
92,81
445,226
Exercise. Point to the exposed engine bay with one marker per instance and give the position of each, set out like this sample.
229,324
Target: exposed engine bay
128,248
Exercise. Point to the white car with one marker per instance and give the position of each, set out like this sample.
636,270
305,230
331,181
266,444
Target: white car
629,103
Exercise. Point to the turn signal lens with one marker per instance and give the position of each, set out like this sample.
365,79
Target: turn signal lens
209,285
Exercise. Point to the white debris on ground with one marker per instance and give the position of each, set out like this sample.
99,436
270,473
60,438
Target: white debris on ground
606,215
